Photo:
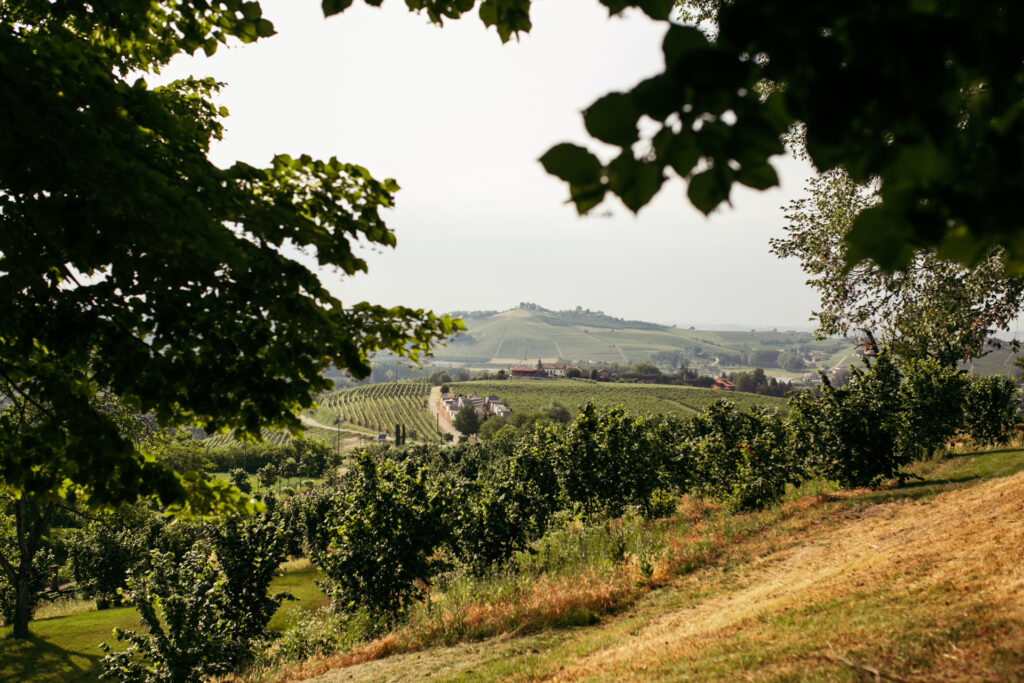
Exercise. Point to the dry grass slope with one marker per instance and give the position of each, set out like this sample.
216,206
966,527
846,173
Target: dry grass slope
954,563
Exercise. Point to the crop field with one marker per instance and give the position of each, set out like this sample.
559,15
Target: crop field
272,438
532,395
379,407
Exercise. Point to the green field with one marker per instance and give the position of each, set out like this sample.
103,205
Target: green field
532,395
66,648
526,335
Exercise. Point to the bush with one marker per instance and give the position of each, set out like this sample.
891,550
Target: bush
742,458
853,435
385,530
933,398
606,461
107,551
990,409
181,603
205,611
503,510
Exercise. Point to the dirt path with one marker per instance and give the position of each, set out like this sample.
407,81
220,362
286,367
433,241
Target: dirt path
347,442
958,551
558,349
497,350
440,419
310,422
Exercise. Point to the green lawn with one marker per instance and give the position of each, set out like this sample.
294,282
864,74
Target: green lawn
67,648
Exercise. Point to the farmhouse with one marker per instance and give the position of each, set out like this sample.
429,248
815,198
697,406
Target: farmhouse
722,384
483,406
526,372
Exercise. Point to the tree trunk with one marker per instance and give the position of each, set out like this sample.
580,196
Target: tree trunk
23,602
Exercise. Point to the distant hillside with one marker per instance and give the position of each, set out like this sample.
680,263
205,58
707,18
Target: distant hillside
530,332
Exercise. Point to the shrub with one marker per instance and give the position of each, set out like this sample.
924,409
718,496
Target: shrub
205,611
108,550
742,458
853,435
384,531
990,409
503,510
606,461
933,398
181,603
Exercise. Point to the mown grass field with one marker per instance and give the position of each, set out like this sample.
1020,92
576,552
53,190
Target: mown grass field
922,583
531,395
66,648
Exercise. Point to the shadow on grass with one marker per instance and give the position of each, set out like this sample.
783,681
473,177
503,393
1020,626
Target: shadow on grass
38,659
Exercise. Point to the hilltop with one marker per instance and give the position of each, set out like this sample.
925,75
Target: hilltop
530,332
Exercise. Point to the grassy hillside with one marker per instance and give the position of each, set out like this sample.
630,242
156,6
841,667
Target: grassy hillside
528,334
532,395
921,583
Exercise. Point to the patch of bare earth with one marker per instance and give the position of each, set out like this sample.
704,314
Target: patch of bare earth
960,557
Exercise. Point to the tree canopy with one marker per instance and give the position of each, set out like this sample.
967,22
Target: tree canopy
925,97
131,265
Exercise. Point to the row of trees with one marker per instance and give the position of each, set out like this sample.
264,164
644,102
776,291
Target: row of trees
382,531
476,504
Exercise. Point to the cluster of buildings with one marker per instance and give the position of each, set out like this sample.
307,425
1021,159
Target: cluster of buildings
484,407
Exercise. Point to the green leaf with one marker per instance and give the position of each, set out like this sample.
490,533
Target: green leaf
586,197
635,182
251,10
572,163
682,154
681,41
709,189
757,176
332,7
657,9
612,119
657,97
615,6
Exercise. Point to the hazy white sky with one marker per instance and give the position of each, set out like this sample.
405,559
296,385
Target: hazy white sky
460,120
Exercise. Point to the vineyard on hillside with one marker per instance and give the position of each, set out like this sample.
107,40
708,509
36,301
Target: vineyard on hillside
532,395
379,407
269,437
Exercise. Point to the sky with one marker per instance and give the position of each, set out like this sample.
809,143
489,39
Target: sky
459,120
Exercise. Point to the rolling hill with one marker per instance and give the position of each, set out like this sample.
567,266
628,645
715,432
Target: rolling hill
530,333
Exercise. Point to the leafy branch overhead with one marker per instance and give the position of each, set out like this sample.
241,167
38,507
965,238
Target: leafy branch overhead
131,264
925,97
